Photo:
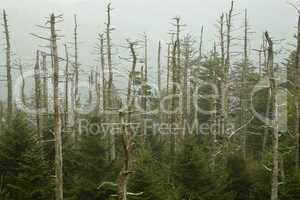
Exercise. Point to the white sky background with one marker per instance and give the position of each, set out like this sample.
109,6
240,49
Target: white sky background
130,18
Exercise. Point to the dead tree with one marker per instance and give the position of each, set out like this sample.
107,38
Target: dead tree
66,107
159,69
244,97
174,102
90,88
201,44
8,69
146,56
102,58
23,84
296,96
109,57
213,119
222,70
225,66
126,132
76,80
1,117
274,110
187,55
177,78
110,74
37,80
144,83
159,79
45,85
266,131
168,67
57,120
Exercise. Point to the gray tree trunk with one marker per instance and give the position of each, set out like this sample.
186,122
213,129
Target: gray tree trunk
274,110
8,70
57,121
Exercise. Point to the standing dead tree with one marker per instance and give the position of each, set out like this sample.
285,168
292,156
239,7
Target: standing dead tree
126,134
126,131
57,120
187,55
159,79
1,117
274,110
45,86
201,45
159,69
174,101
213,118
176,81
76,81
23,98
102,58
296,95
37,80
110,74
109,57
66,106
244,97
8,69
225,66
168,67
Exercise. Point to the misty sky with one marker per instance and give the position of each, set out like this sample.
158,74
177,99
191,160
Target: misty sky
130,18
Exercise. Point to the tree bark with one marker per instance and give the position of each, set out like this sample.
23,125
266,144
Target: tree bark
37,79
66,108
244,97
296,97
8,70
110,76
57,121
274,110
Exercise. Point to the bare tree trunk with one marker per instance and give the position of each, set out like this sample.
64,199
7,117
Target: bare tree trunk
1,117
143,92
37,79
146,57
214,119
201,44
125,171
110,76
90,89
243,96
266,131
103,72
76,95
66,108
8,70
227,64
159,79
45,87
23,85
274,106
109,57
168,67
57,121
179,115
186,54
174,102
222,100
159,69
126,132
296,96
